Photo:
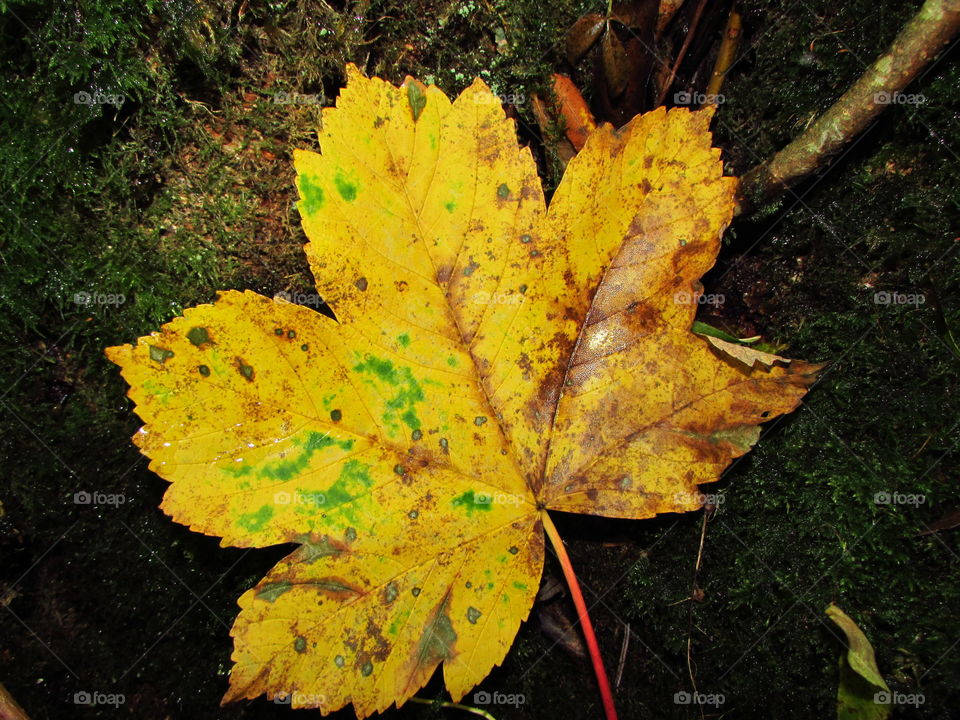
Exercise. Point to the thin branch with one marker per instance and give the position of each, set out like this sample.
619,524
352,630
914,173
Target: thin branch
683,52
921,39
726,54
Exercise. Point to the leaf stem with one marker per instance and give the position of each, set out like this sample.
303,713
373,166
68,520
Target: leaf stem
571,577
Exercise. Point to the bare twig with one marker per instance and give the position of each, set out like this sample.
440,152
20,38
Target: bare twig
683,52
623,656
921,39
708,510
726,54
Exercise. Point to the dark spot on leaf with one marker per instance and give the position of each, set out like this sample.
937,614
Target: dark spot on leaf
336,415
400,470
366,669
390,592
513,550
360,283
417,434
278,331
291,334
413,514
522,289
445,446
468,584
525,238
339,661
300,644
203,370
534,253
417,99
479,420
415,592
503,191
159,354
350,534
438,637
198,336
473,615
304,347
244,369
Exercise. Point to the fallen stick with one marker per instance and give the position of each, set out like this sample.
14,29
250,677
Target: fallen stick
921,39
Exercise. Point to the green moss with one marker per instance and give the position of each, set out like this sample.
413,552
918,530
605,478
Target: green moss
187,188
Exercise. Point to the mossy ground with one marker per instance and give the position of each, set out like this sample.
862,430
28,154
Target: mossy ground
186,188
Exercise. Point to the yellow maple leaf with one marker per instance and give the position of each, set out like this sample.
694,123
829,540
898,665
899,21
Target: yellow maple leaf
492,359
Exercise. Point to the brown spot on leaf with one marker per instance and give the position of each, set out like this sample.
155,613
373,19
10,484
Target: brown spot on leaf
245,370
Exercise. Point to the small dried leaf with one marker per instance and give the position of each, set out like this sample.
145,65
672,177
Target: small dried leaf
748,356
582,36
577,118
616,63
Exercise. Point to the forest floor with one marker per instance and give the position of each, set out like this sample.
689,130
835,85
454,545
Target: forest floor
117,215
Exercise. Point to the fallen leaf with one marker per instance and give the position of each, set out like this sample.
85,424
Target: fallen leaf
582,35
862,688
549,130
616,64
492,359
577,119
748,356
